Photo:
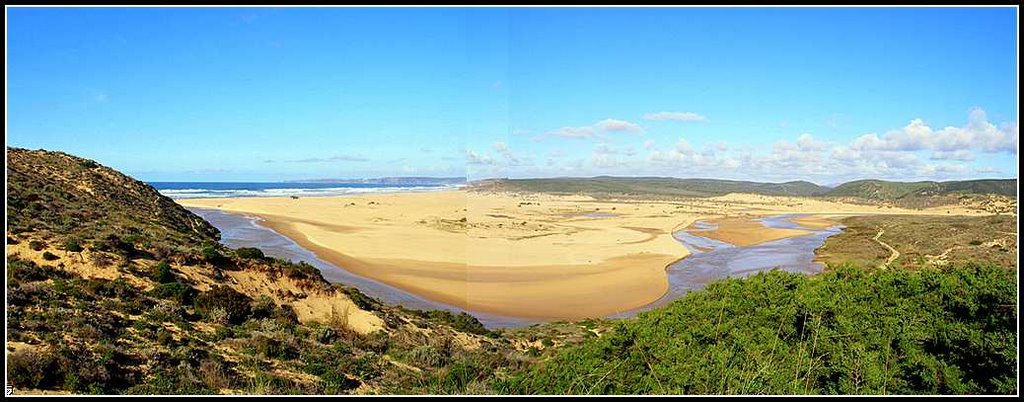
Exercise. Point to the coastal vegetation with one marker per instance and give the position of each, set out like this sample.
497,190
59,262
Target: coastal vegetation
847,331
923,241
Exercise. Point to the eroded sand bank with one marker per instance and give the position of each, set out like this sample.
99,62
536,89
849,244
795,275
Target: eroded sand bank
537,256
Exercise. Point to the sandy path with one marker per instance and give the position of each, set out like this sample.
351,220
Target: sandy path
893,253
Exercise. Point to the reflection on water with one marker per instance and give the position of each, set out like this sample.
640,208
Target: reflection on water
710,260
713,260
243,231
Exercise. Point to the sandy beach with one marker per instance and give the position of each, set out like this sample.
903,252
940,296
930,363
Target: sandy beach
537,256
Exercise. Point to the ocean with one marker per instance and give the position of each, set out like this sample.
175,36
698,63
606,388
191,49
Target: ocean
178,190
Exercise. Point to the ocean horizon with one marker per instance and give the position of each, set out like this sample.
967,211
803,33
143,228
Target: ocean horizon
187,190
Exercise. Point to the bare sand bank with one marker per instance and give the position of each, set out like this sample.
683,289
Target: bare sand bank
519,255
747,231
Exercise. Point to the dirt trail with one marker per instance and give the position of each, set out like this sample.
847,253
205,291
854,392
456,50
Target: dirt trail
894,253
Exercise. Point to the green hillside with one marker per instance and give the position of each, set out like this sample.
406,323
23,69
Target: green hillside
659,186
877,190
888,190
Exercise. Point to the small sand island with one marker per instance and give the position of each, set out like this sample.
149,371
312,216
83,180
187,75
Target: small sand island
525,255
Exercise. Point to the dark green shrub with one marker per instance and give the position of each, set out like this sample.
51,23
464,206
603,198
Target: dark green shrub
19,270
176,291
264,307
48,256
236,305
112,243
846,331
360,299
72,245
162,273
30,369
271,347
462,321
36,245
301,270
249,253
211,255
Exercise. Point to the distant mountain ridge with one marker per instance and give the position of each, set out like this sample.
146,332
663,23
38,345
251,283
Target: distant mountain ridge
667,186
888,190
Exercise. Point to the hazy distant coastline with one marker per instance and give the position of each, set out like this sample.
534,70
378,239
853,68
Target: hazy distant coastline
189,190
389,180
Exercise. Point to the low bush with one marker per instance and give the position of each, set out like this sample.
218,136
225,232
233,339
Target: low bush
235,305
177,291
249,253
72,245
162,273
31,369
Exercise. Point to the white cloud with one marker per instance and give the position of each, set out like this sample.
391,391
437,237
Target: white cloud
474,158
949,142
575,132
913,152
605,149
806,142
336,158
963,155
612,125
683,146
677,116
596,129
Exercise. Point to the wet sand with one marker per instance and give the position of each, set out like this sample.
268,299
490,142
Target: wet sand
747,231
531,256
483,253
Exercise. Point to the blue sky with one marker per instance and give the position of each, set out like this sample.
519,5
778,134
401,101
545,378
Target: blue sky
769,94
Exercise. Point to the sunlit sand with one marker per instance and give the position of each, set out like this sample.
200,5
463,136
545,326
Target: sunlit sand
535,256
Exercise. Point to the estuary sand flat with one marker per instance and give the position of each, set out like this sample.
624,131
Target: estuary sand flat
523,255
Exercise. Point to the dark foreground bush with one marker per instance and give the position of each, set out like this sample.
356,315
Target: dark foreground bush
30,369
162,273
847,331
237,306
249,253
73,245
176,291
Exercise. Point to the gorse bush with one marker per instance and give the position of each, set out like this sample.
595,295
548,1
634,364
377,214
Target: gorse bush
73,245
237,306
846,331
162,273
176,291
249,253
211,255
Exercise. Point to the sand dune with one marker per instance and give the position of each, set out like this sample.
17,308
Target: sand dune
537,256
